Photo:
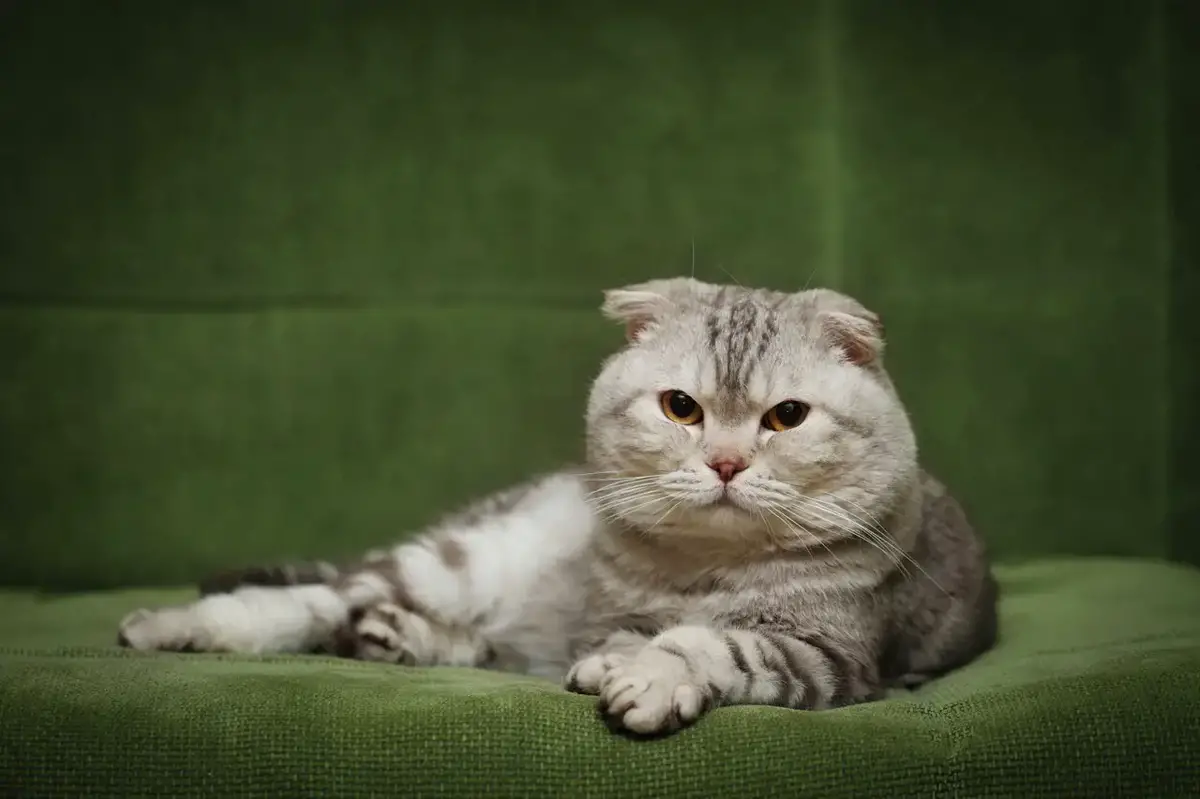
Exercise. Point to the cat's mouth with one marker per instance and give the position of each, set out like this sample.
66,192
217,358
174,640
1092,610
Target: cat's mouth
726,502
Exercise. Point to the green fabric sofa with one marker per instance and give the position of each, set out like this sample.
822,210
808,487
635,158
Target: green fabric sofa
282,280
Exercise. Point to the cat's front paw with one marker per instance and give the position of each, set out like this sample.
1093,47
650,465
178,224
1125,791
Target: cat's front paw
654,693
386,633
167,629
589,675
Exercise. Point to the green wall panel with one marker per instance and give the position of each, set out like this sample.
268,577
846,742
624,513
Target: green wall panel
283,279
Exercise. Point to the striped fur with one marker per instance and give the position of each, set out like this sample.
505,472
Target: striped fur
829,569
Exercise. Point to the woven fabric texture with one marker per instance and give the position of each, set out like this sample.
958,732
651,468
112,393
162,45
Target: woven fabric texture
1092,692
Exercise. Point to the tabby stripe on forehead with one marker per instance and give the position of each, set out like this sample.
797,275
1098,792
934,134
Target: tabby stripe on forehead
769,330
738,338
714,338
765,333
742,319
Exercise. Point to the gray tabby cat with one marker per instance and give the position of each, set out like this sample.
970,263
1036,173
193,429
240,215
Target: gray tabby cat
752,528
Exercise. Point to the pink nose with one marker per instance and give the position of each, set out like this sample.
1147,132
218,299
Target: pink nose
726,468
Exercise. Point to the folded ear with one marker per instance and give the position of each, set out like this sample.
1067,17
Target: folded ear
642,305
858,335
637,306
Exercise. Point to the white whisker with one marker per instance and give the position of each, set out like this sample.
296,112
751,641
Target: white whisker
617,485
612,503
665,514
844,523
878,537
794,527
623,511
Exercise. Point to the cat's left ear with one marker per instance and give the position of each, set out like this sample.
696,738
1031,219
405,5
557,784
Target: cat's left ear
637,307
858,336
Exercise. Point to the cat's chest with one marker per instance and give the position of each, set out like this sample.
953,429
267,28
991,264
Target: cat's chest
659,605
720,599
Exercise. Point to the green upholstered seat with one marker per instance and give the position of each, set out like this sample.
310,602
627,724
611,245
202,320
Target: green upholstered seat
1093,689
290,279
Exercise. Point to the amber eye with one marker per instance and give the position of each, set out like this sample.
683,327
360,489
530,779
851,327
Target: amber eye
680,408
785,416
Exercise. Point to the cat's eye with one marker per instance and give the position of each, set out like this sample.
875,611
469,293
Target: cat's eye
785,416
680,408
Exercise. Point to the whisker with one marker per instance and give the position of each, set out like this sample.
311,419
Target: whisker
883,541
794,526
873,520
624,500
845,523
811,275
618,485
666,513
865,518
730,274
624,494
614,515
601,497
610,480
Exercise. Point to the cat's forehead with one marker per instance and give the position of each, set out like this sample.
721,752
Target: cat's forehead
739,348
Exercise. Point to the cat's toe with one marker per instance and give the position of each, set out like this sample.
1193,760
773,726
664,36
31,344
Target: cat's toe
127,623
589,674
651,699
379,635
169,629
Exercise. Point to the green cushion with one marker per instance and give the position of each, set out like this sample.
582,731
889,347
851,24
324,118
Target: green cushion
1094,689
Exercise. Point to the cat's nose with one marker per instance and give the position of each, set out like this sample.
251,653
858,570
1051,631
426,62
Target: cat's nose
726,468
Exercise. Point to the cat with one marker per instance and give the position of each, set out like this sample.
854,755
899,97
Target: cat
752,527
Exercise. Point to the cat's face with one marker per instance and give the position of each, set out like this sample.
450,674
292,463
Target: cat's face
743,413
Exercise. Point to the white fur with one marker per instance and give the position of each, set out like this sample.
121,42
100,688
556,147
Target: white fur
251,620
510,575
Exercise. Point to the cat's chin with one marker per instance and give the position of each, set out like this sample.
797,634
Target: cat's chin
726,512
724,516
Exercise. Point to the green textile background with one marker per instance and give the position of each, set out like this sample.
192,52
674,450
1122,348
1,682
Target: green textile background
1184,185
288,279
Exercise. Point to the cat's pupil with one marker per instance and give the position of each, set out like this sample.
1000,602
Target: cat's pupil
682,405
789,413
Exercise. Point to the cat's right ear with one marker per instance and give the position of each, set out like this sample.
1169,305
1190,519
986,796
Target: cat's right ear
637,308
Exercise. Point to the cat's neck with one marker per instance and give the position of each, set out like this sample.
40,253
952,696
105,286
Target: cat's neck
699,562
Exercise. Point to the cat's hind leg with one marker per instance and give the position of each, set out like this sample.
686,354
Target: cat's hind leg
389,633
343,620
251,620
433,601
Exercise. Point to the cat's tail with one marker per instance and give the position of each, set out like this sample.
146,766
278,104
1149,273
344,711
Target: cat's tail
303,573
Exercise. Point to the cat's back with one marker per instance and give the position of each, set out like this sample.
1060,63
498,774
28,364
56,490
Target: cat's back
549,515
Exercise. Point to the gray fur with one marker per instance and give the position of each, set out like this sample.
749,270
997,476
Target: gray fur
830,569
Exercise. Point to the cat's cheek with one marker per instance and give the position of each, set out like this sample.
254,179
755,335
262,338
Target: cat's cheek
797,460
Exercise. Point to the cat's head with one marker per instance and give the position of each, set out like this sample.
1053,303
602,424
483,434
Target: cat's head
735,412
